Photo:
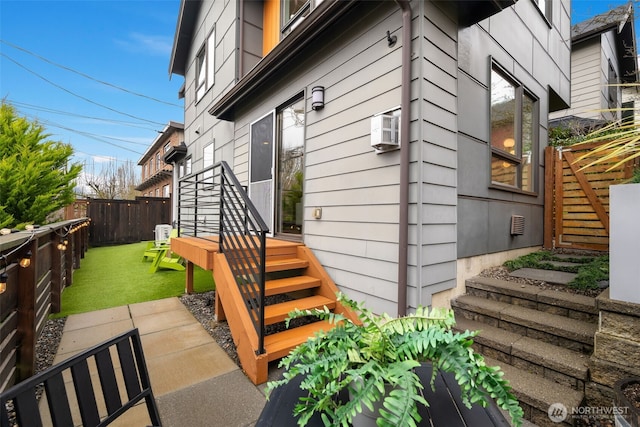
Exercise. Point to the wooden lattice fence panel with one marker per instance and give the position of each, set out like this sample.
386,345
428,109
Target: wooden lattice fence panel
577,202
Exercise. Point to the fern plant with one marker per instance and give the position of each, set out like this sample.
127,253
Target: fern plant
363,357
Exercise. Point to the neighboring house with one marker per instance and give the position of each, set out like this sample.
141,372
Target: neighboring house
603,61
467,88
157,176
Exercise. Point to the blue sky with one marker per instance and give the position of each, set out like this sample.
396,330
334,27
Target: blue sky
126,43
48,44
582,10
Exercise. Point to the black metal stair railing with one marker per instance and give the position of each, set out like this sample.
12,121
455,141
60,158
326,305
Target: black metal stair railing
213,204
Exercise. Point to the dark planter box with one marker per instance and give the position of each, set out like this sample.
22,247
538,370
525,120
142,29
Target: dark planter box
628,415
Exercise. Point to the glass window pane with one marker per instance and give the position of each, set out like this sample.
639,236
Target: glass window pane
290,8
503,113
262,149
211,47
503,171
528,116
528,183
291,167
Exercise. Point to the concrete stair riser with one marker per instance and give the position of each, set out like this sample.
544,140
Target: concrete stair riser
547,300
557,364
553,329
536,394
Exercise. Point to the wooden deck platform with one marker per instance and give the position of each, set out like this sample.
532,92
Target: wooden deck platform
200,251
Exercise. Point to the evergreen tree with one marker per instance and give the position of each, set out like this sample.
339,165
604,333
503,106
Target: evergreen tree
35,176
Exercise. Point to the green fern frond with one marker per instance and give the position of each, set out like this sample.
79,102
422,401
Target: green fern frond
363,356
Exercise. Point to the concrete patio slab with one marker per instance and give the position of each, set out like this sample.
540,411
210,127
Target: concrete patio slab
94,318
164,320
76,340
181,369
226,400
153,307
174,340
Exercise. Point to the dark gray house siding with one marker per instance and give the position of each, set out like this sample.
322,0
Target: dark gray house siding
519,40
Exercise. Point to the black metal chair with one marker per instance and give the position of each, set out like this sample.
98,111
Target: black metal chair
19,404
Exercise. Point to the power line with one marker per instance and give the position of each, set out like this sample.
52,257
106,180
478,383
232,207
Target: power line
23,105
88,76
92,136
84,133
76,95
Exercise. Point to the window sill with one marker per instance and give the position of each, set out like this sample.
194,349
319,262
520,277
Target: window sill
495,186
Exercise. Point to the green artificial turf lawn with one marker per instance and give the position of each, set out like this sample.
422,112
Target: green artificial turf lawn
112,276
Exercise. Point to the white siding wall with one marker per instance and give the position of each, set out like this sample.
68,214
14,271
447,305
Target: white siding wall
589,78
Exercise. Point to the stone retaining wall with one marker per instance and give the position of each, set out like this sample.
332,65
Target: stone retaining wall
616,352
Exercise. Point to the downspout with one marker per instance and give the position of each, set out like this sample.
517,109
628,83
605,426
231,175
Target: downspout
240,30
405,103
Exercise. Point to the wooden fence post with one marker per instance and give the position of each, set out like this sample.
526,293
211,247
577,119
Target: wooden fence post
549,167
57,281
27,284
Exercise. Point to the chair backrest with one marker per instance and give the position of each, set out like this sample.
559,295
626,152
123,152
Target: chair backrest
130,381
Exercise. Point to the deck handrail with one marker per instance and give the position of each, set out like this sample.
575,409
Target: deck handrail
213,204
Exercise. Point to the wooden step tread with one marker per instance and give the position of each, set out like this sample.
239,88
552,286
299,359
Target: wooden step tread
285,264
278,312
280,344
290,284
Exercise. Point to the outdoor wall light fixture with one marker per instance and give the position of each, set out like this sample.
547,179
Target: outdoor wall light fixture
25,262
391,40
317,97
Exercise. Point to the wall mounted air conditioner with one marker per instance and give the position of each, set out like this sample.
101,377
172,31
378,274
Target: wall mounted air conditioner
385,134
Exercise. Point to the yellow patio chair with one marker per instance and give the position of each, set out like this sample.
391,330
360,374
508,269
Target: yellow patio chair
161,260
153,247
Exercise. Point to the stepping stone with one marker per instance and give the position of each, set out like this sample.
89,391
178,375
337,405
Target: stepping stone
561,263
569,256
549,276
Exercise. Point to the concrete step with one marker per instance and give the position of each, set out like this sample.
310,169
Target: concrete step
536,394
554,329
558,364
574,306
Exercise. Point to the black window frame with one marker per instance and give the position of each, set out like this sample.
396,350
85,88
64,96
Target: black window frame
517,158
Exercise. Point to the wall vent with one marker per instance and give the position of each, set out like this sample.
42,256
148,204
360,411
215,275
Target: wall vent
517,225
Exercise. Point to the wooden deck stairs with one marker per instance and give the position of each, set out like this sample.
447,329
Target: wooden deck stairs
295,280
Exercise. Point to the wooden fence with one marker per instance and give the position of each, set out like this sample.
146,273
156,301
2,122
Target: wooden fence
117,222
577,201
34,291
